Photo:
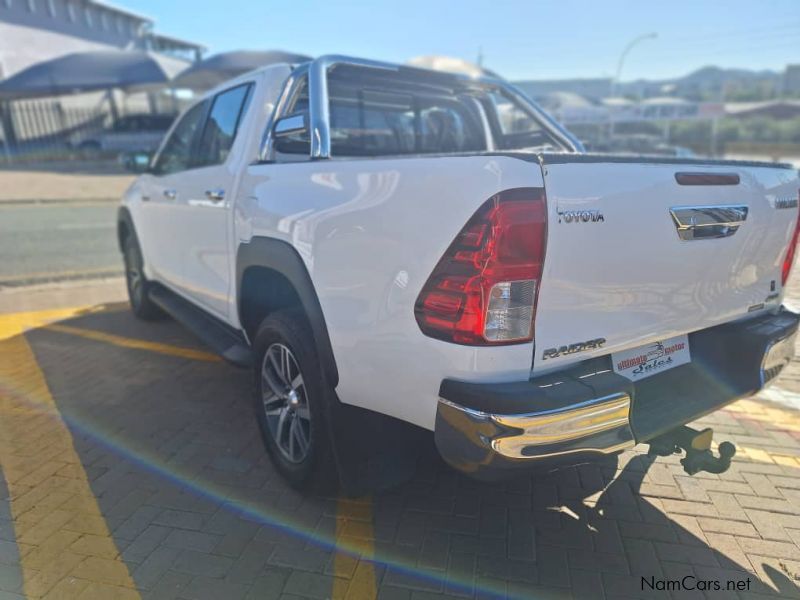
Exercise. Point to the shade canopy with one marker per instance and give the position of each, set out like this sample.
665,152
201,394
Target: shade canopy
92,71
215,69
450,64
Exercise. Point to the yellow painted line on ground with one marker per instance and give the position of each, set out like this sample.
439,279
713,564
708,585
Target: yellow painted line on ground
784,418
64,543
354,532
13,324
777,416
134,343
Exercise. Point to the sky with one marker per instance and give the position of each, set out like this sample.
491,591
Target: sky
522,39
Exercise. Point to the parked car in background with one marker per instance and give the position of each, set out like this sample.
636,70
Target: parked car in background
434,248
138,132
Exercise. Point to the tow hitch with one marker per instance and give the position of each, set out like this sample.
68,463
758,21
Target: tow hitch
697,445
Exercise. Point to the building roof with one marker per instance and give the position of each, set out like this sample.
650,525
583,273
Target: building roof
664,100
779,109
167,39
174,41
566,100
617,101
448,64
123,11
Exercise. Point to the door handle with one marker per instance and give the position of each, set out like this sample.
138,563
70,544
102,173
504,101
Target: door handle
707,222
145,198
170,194
216,194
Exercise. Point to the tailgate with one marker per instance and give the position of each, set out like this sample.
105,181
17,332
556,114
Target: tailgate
634,256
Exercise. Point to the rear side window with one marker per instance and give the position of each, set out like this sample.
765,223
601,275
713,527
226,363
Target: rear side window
515,127
221,126
177,152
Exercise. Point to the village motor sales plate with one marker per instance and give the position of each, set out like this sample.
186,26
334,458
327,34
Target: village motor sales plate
651,359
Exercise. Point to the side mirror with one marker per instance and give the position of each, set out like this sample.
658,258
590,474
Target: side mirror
136,162
291,125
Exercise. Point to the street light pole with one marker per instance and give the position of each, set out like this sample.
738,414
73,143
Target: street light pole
625,51
615,82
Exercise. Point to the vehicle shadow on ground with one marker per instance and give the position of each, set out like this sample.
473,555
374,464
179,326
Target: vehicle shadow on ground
594,536
172,454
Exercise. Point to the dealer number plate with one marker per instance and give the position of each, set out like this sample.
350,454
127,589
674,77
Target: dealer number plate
644,361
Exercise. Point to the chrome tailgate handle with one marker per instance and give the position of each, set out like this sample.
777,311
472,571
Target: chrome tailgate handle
707,222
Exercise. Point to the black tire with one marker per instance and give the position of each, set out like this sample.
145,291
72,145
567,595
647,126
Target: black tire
137,285
316,470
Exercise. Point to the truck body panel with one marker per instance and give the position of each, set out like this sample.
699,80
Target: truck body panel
628,278
370,232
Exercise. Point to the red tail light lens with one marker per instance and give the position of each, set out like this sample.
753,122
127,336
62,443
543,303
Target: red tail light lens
483,290
788,260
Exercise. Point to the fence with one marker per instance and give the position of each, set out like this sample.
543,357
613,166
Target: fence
39,129
36,130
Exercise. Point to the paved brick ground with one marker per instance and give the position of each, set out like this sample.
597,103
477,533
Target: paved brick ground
132,468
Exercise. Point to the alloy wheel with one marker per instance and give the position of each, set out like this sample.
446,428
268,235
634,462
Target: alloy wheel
283,394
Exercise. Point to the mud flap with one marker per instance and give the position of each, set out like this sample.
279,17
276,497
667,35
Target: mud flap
374,452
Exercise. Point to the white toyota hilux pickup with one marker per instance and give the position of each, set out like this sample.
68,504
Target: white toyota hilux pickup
435,249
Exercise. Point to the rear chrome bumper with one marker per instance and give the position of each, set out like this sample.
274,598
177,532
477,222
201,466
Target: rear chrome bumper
600,425
778,355
588,411
477,442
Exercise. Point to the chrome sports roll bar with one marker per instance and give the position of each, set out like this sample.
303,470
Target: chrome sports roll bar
318,107
319,113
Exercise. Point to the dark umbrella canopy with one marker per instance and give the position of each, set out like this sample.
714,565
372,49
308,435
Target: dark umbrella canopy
91,71
212,71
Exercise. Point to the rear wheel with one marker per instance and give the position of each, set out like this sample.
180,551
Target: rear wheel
291,402
137,285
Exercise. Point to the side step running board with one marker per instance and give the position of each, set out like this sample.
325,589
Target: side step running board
224,340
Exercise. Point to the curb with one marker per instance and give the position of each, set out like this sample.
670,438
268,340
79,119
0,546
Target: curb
34,280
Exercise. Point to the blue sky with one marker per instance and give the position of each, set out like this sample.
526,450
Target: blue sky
533,39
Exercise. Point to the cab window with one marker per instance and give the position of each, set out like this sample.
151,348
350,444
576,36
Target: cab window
382,119
388,117
177,152
221,126
514,127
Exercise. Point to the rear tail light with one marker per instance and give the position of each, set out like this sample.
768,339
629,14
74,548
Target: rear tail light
788,260
483,290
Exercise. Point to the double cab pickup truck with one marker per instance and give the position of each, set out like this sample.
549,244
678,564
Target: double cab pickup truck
435,249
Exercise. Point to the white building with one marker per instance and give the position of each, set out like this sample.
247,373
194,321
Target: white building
35,30
32,31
